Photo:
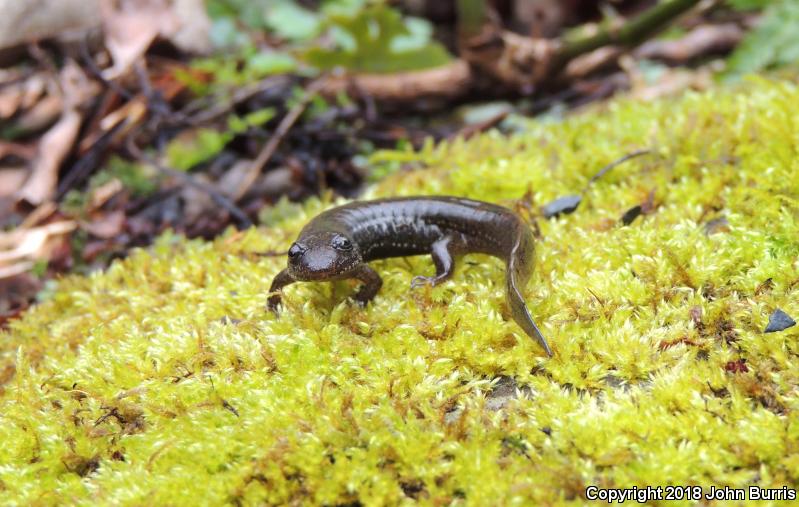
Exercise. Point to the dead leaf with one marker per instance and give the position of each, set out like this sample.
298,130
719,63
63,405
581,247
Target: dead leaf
23,151
11,180
53,148
16,269
671,82
194,34
238,179
107,226
56,144
25,21
20,248
43,114
701,41
103,193
131,26
39,215
10,101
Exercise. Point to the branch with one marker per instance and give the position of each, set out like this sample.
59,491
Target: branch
632,33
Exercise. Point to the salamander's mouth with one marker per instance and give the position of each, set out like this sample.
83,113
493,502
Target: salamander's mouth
322,263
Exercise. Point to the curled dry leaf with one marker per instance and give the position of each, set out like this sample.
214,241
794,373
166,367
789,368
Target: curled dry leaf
238,179
106,225
39,215
56,144
20,248
132,25
53,148
25,21
103,193
701,41
11,179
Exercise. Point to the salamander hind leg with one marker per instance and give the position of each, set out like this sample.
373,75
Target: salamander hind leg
444,260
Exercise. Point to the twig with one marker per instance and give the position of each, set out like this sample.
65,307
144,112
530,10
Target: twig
285,125
209,108
469,131
632,33
88,162
185,178
95,71
613,164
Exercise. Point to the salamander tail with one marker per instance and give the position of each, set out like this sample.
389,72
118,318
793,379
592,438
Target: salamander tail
520,263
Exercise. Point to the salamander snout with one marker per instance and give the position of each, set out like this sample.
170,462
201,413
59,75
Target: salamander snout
323,256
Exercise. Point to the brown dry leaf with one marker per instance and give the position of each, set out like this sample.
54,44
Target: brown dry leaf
23,151
53,148
132,112
43,114
10,101
103,193
11,180
106,226
701,41
194,34
25,21
670,83
20,248
39,215
22,94
197,202
131,26
56,144
238,179
15,269
592,62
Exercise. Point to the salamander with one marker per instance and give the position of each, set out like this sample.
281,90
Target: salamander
339,243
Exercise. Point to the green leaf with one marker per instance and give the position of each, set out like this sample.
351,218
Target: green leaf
774,43
187,151
269,63
225,34
292,22
749,5
378,39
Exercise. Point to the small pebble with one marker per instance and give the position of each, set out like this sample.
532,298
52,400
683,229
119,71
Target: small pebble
631,214
562,205
779,321
717,225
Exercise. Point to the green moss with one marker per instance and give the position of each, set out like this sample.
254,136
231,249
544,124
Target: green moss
163,380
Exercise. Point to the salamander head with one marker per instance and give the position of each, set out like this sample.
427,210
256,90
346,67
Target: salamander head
323,256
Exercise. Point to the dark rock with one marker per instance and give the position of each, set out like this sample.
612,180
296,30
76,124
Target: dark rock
562,205
717,225
779,321
631,214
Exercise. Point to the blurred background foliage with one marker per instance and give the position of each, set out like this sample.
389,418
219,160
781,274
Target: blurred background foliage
373,36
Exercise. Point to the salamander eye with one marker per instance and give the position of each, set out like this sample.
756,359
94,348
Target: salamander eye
295,250
341,243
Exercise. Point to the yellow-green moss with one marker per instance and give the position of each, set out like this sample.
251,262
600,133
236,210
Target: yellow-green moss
163,380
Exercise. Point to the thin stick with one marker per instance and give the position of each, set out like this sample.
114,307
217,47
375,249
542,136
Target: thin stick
630,34
286,123
613,164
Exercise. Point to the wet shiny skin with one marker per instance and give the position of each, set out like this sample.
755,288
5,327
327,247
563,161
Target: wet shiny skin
340,242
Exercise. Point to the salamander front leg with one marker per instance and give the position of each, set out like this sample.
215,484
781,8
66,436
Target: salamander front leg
371,284
443,258
281,280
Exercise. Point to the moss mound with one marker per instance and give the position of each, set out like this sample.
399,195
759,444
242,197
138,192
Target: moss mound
163,381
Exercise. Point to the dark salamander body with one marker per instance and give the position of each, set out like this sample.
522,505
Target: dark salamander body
339,242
